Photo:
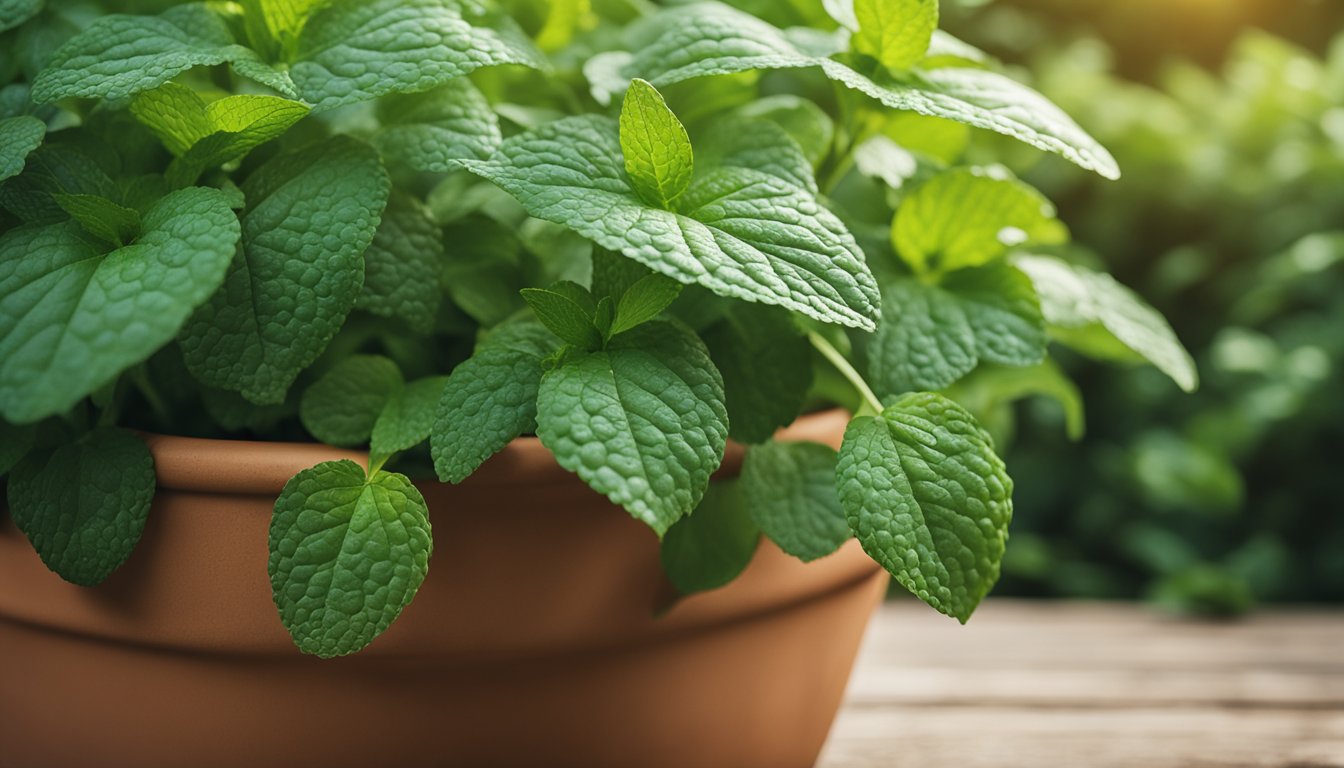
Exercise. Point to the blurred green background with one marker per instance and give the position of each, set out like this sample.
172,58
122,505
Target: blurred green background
1227,117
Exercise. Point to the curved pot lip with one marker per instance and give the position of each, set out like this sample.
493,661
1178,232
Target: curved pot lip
250,467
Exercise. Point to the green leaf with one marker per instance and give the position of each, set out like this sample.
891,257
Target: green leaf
83,507
432,131
808,124
655,146
73,316
895,32
790,492
348,553
1004,313
342,407
408,417
766,364
309,217
758,145
564,317
1098,316
740,233
490,399
642,421
644,301
15,442
357,50
50,170
990,388
704,39
101,217
19,136
713,545
928,498
401,265
613,274
15,12
965,217
277,22
567,17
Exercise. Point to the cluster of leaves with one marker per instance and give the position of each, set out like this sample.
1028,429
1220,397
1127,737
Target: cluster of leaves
1229,217
276,215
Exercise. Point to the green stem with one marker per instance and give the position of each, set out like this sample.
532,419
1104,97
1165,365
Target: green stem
842,365
376,464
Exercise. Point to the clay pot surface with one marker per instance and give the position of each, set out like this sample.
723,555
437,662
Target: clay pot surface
533,642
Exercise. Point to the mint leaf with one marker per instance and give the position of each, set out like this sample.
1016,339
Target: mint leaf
758,145
655,146
50,170
566,19
19,136
1098,316
408,417
15,12
490,399
924,341
928,498
309,217
766,364
73,316
274,25
967,217
991,389
348,553
564,316
357,50
1004,313
401,265
789,489
739,233
895,32
805,122
15,442
643,301
713,545
431,131
101,217
642,421
613,274
342,407
83,507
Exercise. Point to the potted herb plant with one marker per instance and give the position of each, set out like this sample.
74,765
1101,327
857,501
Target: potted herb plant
269,267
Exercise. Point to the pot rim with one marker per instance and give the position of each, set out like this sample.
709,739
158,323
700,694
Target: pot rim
254,467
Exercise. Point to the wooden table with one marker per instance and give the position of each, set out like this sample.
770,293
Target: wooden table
1049,684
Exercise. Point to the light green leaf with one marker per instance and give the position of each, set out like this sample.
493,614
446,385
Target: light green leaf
402,264
567,17
757,145
655,146
309,217
564,317
966,217
713,545
15,12
490,399
924,341
432,131
642,421
895,32
790,492
83,507
408,417
341,407
766,364
644,301
348,553
739,233
73,316
101,217
929,499
357,50
1098,316
19,136
276,24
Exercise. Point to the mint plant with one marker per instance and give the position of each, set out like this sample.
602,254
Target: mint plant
430,227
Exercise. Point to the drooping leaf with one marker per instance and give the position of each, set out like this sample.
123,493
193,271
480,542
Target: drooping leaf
767,369
342,407
402,264
408,417
83,507
19,136
714,544
348,553
789,490
655,146
432,131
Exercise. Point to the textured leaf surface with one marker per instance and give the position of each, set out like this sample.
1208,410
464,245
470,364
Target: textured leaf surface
401,265
490,399
925,340
567,315
1099,316
431,131
929,499
644,301
348,553
310,216
767,369
101,217
15,12
72,316
895,32
341,407
355,50
713,545
1004,313
740,233
758,145
642,421
408,417
789,489
84,507
655,146
19,136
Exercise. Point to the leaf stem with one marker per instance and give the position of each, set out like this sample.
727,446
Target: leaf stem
842,365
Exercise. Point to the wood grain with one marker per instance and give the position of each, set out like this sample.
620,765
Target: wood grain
1078,684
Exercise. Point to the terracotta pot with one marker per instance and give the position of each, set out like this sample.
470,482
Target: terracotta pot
532,643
